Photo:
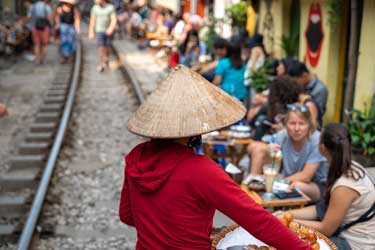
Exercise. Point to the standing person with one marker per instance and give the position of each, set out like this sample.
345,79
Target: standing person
3,110
68,21
346,214
170,193
103,23
40,14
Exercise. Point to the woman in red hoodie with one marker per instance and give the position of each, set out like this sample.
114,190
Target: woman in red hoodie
170,193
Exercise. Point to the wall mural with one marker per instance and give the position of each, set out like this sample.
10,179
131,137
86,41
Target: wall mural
314,35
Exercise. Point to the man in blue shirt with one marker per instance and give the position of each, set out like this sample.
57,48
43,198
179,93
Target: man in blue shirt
312,84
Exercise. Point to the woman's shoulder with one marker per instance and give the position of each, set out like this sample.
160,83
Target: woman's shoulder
224,61
361,184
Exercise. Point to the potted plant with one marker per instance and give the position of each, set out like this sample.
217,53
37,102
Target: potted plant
260,78
236,14
362,129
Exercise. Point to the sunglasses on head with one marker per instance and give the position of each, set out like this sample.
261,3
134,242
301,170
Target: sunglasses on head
295,106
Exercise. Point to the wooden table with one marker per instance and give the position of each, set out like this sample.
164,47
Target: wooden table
291,202
235,147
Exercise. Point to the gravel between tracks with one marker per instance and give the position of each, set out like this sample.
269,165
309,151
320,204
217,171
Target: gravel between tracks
82,203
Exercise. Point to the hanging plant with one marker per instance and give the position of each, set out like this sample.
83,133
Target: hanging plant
236,14
335,11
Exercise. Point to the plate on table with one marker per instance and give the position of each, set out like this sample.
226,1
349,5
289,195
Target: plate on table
237,236
236,134
240,128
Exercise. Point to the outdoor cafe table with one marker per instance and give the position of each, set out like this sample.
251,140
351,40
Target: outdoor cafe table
235,147
290,202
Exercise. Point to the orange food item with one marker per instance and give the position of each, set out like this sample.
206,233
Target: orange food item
288,216
284,221
303,232
315,246
311,237
294,226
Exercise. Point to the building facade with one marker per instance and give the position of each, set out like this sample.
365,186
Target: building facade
323,46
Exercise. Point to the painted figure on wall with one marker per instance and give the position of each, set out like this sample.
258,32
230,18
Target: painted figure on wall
314,35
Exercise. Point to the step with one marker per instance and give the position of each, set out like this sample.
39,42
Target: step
43,127
61,79
27,161
44,117
19,179
54,99
59,92
33,148
52,107
59,87
39,137
13,205
7,229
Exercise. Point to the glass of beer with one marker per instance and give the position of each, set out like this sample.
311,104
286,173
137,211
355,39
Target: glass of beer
270,173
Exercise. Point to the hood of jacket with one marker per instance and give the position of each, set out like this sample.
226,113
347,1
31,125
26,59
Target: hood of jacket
150,164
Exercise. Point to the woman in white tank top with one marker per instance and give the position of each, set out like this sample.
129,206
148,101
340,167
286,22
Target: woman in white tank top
346,214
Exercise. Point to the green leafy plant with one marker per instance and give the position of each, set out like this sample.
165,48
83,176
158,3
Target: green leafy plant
211,32
290,45
260,78
362,129
236,13
334,9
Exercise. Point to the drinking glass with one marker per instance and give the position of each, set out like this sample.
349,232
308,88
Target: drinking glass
270,173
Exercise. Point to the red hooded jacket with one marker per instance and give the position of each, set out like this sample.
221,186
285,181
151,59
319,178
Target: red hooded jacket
170,195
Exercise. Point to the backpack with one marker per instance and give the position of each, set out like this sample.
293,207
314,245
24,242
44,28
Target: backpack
42,22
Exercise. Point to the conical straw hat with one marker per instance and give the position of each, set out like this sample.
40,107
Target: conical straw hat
185,104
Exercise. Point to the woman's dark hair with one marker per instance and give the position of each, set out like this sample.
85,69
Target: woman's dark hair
220,43
234,54
296,69
283,90
287,62
184,44
337,140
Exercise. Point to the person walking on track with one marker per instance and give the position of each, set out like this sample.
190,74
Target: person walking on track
103,24
67,21
40,14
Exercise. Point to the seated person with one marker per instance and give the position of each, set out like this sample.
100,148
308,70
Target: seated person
220,51
283,65
159,34
312,85
229,73
350,194
282,91
191,49
134,24
302,164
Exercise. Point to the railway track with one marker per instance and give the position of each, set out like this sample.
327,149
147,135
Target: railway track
25,185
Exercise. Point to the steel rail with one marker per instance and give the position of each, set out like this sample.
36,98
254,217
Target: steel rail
125,68
29,227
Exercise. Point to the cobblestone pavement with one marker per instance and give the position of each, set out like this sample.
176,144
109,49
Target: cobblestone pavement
22,85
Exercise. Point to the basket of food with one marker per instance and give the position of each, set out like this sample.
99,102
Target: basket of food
237,238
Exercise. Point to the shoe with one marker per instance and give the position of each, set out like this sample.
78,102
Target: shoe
100,68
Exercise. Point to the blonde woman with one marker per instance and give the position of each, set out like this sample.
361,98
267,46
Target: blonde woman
302,164
346,214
